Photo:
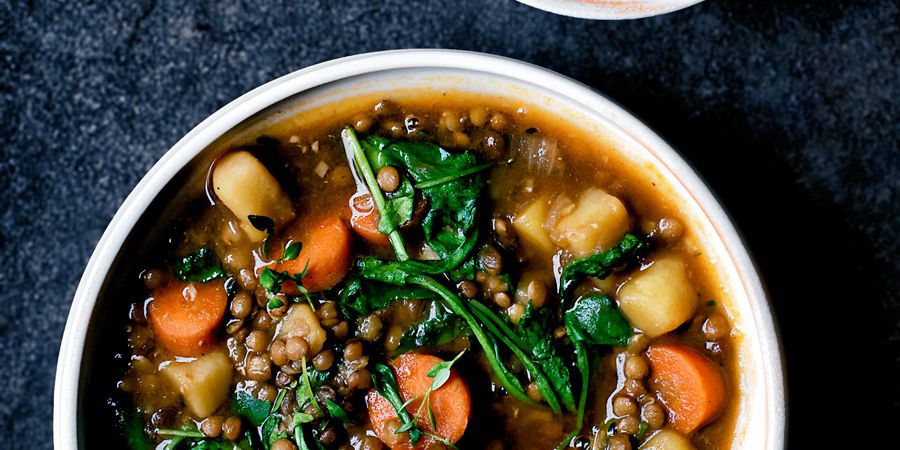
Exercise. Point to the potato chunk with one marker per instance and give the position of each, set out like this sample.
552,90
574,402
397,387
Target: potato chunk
301,321
597,222
529,226
667,439
204,383
247,188
659,298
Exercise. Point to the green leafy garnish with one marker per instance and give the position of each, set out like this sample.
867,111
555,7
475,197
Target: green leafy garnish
337,412
199,266
291,251
386,385
533,327
363,298
439,374
601,265
250,408
132,429
594,319
272,280
357,155
439,327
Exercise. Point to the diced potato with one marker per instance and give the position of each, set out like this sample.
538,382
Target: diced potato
204,383
529,226
247,188
667,439
301,321
659,298
598,222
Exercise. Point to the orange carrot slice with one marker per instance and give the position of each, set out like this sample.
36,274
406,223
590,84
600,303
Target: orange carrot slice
688,383
364,220
450,404
325,247
185,315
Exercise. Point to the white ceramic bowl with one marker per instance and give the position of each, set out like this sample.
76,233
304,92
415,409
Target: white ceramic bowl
760,422
610,9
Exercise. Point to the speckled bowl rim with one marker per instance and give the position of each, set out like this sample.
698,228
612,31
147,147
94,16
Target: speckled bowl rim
610,9
767,348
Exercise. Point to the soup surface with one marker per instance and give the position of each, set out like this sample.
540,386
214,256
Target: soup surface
439,271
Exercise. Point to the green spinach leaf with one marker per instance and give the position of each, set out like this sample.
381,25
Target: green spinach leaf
594,319
439,327
601,265
534,329
386,385
199,266
365,296
250,408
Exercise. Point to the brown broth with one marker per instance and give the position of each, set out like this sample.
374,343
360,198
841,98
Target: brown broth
305,154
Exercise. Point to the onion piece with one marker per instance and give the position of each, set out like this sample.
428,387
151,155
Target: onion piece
538,150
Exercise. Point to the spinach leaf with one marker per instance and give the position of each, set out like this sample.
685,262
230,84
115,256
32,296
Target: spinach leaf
601,265
337,412
534,328
363,297
386,385
250,408
440,327
269,431
398,205
132,429
200,266
396,272
452,200
594,319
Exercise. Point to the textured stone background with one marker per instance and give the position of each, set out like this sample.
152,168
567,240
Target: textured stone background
788,108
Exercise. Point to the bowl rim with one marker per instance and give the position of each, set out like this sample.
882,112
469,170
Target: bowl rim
610,9
69,364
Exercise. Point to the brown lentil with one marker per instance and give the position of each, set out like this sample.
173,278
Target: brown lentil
618,442
499,121
362,123
653,414
283,444
323,360
257,341
628,425
341,330
502,299
259,367
388,178
624,405
633,388
370,328
361,379
296,348
353,351
468,289
231,429
212,426
267,393
241,305
537,293
490,260
534,392
479,115
715,327
277,353
636,367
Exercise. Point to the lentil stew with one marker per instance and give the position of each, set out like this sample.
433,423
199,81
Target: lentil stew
444,271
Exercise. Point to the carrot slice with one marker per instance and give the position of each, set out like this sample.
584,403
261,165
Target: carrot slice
450,404
185,315
688,383
364,220
325,247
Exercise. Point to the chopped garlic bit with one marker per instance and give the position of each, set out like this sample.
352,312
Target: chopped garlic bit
315,147
294,139
321,169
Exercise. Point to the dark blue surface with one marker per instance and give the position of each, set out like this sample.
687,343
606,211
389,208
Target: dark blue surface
788,109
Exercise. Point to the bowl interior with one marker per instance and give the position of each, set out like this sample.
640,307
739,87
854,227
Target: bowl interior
94,324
